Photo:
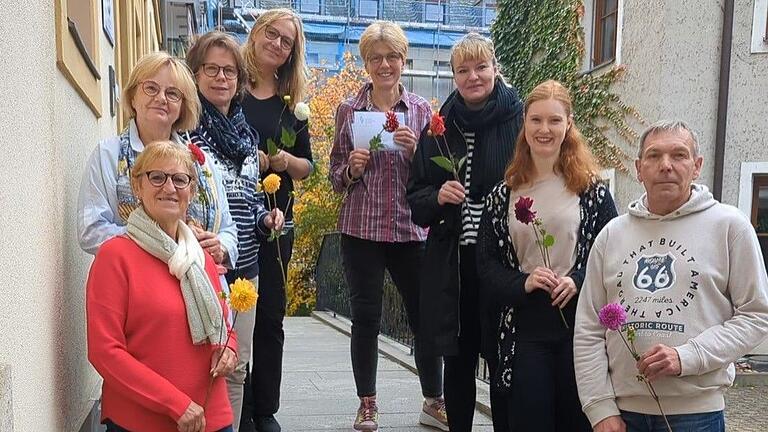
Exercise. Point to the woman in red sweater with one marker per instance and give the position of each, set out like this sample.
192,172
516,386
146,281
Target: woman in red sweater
156,325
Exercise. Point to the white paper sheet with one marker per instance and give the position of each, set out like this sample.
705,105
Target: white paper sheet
366,124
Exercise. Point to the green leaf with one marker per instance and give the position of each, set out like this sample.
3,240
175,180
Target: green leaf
375,143
271,147
288,138
460,163
549,240
443,162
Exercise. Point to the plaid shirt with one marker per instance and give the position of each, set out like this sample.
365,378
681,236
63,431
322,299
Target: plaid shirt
375,207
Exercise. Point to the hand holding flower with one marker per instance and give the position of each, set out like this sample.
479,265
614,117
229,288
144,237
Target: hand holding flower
541,278
451,192
563,292
223,362
659,361
275,220
279,161
405,138
263,161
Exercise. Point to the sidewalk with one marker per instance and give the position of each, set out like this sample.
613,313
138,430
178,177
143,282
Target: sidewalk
318,392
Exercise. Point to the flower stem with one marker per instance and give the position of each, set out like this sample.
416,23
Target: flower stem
277,244
545,259
210,382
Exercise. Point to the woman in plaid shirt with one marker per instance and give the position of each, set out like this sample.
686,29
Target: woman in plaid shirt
375,220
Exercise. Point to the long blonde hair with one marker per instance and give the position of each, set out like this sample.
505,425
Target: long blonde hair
292,76
575,163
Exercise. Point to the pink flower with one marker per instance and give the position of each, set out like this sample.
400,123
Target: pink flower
392,122
612,316
523,211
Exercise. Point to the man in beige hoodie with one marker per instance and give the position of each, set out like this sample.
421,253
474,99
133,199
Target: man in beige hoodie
689,273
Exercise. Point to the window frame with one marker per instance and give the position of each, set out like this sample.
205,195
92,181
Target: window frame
378,9
80,68
597,32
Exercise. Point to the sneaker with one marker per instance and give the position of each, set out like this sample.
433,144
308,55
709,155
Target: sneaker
367,419
434,415
266,424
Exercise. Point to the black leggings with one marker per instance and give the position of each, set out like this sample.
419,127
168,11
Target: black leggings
544,397
364,264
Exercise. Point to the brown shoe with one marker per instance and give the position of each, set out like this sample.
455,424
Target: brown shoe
367,419
434,415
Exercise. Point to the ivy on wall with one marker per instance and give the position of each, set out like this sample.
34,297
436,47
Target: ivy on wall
540,40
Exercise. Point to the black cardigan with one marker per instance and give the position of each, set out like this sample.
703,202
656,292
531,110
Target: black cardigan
499,267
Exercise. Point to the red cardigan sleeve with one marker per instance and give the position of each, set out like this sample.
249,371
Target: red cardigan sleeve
106,306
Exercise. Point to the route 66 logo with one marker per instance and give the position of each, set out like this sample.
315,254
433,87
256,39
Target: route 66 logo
654,272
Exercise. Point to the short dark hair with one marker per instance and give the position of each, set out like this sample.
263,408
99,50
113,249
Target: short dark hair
198,51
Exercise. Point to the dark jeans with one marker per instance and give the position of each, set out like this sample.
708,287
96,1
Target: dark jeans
268,334
544,396
700,422
111,427
460,384
364,264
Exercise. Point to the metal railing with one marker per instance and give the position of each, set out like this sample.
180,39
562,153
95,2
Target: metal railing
333,295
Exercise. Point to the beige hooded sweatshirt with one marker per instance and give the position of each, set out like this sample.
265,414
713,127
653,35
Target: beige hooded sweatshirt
693,280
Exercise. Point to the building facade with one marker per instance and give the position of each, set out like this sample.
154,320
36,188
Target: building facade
706,63
58,100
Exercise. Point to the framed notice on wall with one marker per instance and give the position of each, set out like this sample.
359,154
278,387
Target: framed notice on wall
108,20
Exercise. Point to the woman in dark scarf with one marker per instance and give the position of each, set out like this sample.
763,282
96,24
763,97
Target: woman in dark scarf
482,119
225,135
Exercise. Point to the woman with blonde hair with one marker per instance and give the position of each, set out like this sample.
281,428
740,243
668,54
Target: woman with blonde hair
156,324
160,99
481,121
554,167
377,233
277,77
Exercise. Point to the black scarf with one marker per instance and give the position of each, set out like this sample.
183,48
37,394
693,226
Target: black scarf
496,127
229,135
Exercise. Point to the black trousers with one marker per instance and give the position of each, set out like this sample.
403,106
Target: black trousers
268,334
544,397
364,264
460,369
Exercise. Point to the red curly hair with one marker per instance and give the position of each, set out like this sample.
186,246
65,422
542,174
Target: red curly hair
575,162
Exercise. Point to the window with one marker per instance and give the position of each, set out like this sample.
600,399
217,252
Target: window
368,8
310,6
434,11
606,14
759,216
489,12
77,48
760,27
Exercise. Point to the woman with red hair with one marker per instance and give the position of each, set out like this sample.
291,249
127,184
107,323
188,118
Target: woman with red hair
554,167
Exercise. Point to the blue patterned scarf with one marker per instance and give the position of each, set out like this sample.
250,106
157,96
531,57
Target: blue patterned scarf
230,135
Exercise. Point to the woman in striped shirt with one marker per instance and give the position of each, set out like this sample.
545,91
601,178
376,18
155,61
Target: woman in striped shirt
224,134
482,120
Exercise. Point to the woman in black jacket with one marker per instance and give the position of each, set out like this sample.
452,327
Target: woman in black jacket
482,119
554,168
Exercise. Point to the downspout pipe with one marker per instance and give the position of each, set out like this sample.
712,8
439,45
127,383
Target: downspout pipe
722,98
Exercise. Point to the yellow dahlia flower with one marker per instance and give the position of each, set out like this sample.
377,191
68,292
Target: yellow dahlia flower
243,295
271,183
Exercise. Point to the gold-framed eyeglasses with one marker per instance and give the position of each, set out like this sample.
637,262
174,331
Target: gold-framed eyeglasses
212,70
158,178
392,58
272,33
152,89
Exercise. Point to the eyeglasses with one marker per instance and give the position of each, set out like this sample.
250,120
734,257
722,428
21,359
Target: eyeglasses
159,178
392,58
152,89
212,70
272,33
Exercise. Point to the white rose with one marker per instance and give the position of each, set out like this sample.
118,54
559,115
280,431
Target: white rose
301,111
